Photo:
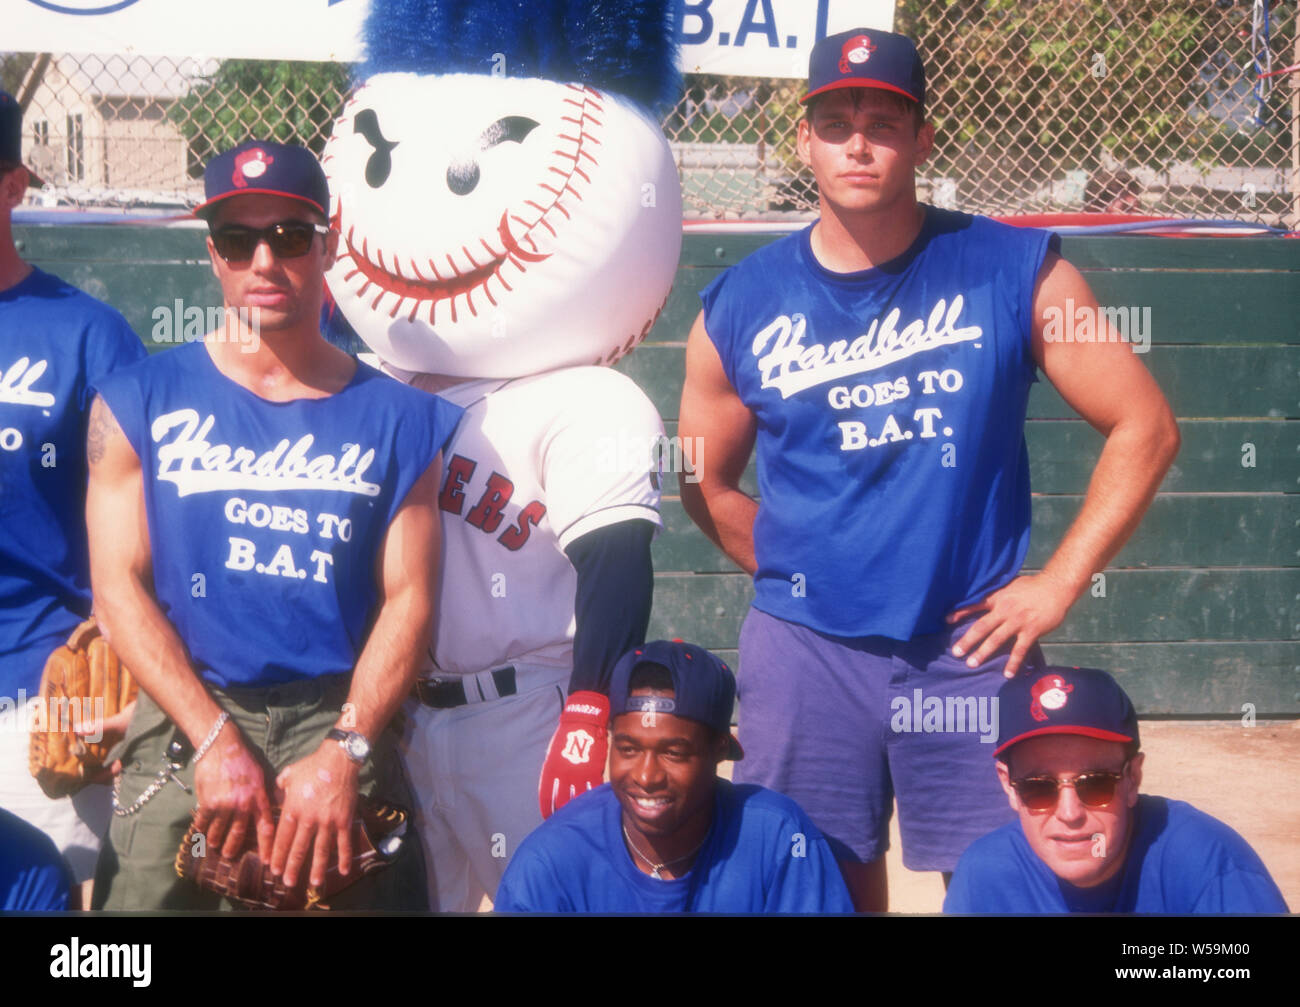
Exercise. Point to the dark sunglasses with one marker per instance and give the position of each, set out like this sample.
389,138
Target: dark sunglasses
288,239
1094,790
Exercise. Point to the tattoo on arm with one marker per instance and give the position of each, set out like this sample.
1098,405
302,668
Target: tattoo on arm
102,426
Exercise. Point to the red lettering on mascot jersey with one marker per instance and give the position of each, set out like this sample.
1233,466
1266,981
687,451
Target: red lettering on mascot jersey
487,512
486,515
514,538
452,497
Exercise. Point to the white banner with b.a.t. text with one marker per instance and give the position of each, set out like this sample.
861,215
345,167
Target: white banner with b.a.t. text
769,38
758,38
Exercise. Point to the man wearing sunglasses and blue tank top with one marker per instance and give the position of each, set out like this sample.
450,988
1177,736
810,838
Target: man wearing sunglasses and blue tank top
262,530
1068,757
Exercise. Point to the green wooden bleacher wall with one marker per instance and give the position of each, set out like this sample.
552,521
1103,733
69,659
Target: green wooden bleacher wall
1201,612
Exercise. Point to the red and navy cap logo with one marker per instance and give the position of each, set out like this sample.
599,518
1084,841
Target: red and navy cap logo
250,166
862,57
1060,700
856,50
266,167
1049,693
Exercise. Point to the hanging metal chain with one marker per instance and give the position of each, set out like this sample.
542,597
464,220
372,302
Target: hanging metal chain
173,761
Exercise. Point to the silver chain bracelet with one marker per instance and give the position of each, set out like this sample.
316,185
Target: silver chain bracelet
212,736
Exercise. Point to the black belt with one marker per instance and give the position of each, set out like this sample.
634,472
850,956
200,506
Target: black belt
445,693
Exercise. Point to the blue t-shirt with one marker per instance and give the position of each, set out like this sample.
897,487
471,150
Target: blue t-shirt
55,343
267,519
1180,861
762,855
892,470
33,877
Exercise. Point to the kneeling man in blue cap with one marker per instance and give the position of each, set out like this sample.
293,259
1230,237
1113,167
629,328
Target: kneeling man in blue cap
666,835
1087,841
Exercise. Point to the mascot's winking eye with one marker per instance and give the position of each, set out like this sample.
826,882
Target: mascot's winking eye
463,175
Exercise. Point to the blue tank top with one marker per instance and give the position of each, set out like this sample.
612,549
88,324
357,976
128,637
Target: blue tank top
892,470
56,343
266,519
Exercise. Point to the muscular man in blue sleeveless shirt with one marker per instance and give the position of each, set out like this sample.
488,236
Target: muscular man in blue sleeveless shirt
881,361
262,527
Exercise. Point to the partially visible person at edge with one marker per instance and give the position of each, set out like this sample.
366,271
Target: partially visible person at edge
57,343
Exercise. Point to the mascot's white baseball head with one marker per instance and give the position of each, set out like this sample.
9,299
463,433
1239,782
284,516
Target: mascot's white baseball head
507,203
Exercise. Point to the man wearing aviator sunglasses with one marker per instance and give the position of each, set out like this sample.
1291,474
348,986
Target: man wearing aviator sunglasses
289,239
1086,840
262,526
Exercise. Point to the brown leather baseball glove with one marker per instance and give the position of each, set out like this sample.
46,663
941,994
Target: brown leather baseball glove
83,684
377,834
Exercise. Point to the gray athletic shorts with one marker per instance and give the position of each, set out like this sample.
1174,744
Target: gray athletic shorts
843,726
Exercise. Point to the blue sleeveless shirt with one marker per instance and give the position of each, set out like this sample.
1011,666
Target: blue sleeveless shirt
892,470
267,519
55,343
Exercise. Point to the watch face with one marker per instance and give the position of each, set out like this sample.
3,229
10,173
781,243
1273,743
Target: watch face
357,747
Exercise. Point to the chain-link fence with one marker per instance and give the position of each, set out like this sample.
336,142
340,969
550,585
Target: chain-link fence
1045,105
1152,106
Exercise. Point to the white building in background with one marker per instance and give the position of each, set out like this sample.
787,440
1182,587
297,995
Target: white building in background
97,130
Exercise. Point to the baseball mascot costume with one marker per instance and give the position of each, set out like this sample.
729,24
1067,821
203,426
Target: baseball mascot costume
511,222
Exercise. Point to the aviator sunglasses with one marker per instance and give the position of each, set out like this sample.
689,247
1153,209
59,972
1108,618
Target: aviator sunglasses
288,239
1094,790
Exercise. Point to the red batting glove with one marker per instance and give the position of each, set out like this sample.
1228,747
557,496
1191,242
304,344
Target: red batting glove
575,760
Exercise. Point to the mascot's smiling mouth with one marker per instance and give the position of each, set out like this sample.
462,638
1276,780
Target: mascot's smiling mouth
422,289
458,279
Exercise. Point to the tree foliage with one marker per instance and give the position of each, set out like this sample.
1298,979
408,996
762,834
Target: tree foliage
1021,84
13,68
284,100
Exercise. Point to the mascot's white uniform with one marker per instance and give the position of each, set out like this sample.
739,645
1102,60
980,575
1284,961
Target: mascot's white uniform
506,237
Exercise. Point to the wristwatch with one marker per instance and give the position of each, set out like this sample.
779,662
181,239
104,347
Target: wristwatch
354,744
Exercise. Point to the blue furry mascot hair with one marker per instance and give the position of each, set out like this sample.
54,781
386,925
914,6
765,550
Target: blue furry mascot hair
627,47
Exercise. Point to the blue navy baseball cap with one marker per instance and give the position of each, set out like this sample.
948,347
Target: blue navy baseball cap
267,168
863,57
11,134
704,689
1056,700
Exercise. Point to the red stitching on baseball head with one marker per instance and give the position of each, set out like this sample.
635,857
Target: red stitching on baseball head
515,246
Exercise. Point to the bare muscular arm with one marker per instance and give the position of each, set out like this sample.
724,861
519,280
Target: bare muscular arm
717,432
1110,388
229,784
